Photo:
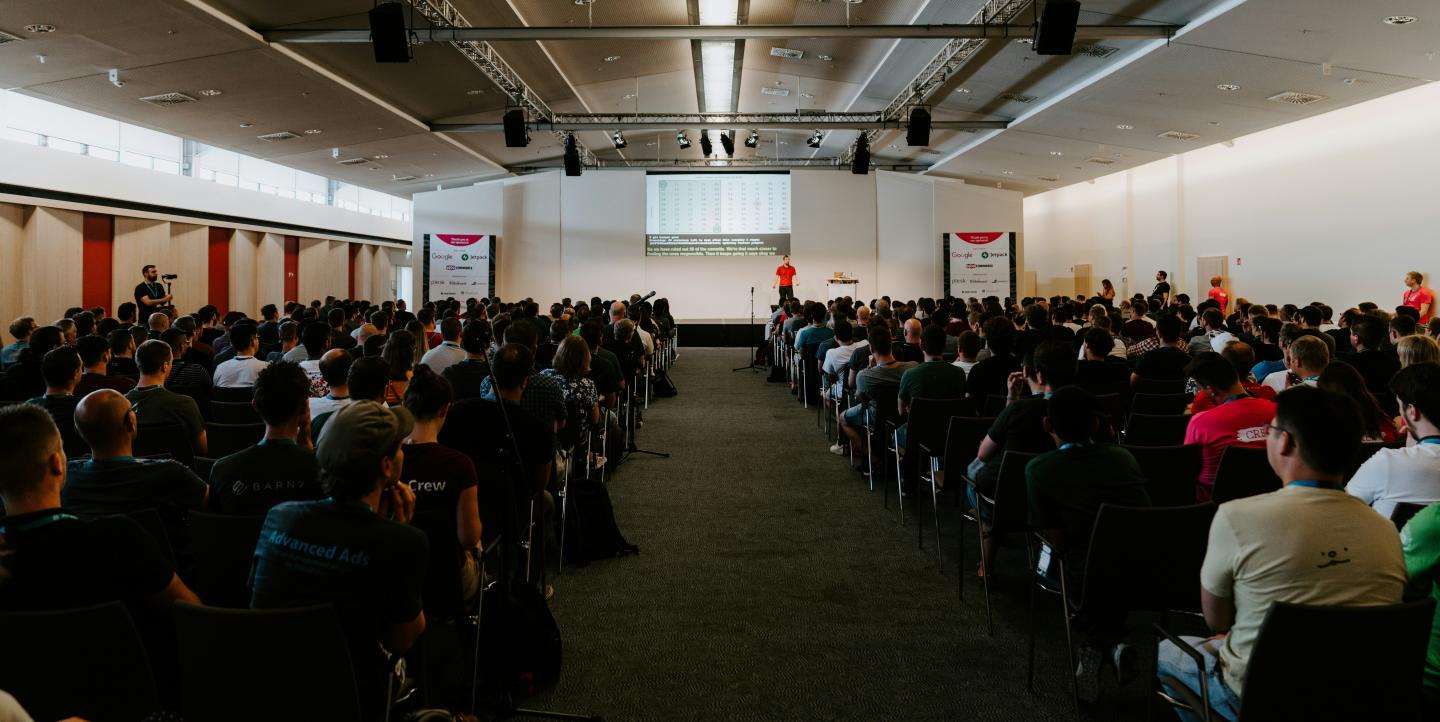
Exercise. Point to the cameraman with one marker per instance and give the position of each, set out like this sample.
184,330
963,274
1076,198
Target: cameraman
150,295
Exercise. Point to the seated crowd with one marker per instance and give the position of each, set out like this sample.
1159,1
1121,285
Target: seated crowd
333,426
1343,415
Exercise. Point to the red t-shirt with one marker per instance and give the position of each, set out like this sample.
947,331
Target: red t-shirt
1417,298
786,273
1219,295
1242,422
1203,402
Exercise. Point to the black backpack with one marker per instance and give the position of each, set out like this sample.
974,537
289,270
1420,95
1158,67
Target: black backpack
590,529
523,638
664,387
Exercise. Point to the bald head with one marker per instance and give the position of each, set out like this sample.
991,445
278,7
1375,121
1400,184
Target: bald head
105,421
912,331
159,322
862,315
617,311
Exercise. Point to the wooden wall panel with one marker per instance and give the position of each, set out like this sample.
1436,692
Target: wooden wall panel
190,256
138,241
269,277
364,264
323,267
12,244
382,276
54,248
244,255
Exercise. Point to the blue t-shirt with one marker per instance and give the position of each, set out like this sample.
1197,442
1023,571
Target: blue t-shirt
1265,368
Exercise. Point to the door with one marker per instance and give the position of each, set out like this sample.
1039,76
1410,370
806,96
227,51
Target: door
1207,267
1084,284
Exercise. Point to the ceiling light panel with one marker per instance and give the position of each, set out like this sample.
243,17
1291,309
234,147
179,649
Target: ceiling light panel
719,12
717,65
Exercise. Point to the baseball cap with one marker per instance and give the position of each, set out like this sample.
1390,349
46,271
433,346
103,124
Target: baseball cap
359,435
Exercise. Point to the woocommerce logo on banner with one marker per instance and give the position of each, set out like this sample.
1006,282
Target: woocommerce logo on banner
458,240
979,239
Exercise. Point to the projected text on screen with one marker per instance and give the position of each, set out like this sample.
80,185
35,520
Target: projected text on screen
717,214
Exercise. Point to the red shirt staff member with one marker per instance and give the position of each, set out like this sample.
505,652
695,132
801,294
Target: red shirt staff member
1416,296
785,279
1218,293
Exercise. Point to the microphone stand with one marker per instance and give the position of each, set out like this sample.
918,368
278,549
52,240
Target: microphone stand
751,332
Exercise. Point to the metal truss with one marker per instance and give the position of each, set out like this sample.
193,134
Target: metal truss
718,32
566,122
752,162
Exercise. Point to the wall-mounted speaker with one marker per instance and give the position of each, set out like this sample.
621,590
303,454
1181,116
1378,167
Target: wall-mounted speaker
515,135
1055,31
388,33
917,132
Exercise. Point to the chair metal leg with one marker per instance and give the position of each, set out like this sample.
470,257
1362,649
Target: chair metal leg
935,503
899,476
1031,621
988,570
1069,642
869,459
565,508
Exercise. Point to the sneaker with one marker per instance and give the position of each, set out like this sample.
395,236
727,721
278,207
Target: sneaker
1087,674
837,449
1124,657
549,592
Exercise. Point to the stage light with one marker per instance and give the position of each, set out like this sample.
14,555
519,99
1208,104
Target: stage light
727,144
682,140
705,146
753,140
618,138
917,132
572,156
815,139
860,165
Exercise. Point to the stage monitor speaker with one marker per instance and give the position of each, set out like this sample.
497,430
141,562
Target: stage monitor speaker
917,132
572,156
1055,31
515,135
388,33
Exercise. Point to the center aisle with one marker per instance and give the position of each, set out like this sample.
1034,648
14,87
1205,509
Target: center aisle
773,585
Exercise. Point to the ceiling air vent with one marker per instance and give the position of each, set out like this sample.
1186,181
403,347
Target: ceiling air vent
1048,178
276,137
1291,97
8,38
789,53
1100,161
782,92
166,100
402,178
1177,135
1018,97
1096,51
354,161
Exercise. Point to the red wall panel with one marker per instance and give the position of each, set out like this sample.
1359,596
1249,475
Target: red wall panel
354,251
219,264
292,268
96,277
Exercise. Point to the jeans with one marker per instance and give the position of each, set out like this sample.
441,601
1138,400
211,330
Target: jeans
1174,663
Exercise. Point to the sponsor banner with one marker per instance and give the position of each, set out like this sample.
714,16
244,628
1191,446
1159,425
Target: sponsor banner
459,265
980,264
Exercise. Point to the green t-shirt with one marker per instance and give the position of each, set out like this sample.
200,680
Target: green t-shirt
156,405
932,380
1421,539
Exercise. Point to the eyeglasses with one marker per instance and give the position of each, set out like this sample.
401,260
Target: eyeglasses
1281,429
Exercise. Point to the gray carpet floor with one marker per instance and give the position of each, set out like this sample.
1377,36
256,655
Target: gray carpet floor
773,585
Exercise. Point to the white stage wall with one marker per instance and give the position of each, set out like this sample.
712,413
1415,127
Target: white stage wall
585,236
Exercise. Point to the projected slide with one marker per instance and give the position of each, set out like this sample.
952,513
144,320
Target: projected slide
717,214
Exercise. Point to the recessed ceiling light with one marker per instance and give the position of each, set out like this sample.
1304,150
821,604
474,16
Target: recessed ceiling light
210,92
964,91
380,156
1125,126
313,131
584,2
1057,152
824,58
47,28
429,175
1227,86
628,96
1026,41
1400,19
1214,122
476,91
611,58
1007,172
892,146
807,96
247,125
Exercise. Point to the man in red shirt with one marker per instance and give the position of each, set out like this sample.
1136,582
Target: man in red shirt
1417,296
785,279
1219,294
1238,418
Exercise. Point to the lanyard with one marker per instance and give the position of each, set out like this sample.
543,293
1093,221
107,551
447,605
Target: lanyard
1313,484
277,442
33,524
1071,445
1430,440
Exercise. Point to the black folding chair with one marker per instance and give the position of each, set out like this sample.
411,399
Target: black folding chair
240,665
1325,663
226,439
237,394
1243,471
1159,386
1367,450
1160,404
1009,513
1171,472
154,439
88,662
1150,430
927,425
233,412
963,436
223,547
994,404
153,523
1403,513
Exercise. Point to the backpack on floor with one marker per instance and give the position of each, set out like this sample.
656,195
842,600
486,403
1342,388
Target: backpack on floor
590,529
664,387
523,639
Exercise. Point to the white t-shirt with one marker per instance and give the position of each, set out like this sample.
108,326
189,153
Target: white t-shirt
1411,474
837,358
239,371
1280,380
1302,545
442,357
965,365
323,404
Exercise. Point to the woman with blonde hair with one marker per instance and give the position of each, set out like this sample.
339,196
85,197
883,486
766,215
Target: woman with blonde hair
1417,350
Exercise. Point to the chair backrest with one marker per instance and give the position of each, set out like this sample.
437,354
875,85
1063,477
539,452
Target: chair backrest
962,442
1160,404
1114,406
1147,558
1403,512
994,404
1366,451
233,412
88,663
929,422
1012,498
1171,472
239,665
172,439
1154,430
1160,386
1338,663
153,523
1243,472
226,439
233,393
223,548
442,593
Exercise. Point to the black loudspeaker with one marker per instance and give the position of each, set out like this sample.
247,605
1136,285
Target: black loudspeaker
918,130
388,33
572,157
727,144
860,164
515,135
1055,32
705,148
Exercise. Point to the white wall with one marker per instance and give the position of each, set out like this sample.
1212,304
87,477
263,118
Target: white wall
1334,208
585,236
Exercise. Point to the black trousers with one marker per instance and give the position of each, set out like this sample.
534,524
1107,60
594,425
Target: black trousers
786,292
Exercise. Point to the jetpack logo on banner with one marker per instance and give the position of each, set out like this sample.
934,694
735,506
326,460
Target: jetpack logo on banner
459,265
979,264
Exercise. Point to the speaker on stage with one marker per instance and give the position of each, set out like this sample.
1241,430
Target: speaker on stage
1055,31
388,33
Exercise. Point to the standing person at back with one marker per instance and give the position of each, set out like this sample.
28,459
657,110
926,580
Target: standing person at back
1218,294
1308,543
1238,419
1418,297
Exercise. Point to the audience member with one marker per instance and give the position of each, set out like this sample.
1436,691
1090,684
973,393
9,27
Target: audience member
543,398
932,379
95,355
1305,359
1376,364
20,329
466,376
26,379
366,381
967,350
1237,419
282,466
449,351
876,389
399,357
443,479
990,377
1412,473
1413,350
243,368
155,405
1376,426
61,369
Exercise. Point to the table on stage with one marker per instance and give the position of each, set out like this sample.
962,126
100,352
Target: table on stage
842,287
